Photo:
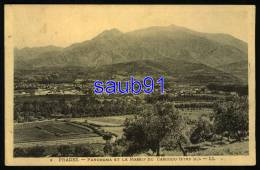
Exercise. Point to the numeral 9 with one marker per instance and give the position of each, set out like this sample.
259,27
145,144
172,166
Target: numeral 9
149,87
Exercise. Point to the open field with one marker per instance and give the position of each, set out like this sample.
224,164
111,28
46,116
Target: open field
195,113
71,141
239,148
50,131
114,124
116,130
104,121
109,120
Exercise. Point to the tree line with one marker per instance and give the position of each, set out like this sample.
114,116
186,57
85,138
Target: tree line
86,105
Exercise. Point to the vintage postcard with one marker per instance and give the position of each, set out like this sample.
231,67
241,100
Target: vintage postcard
130,85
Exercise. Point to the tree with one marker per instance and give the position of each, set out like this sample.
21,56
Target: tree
108,148
117,148
232,116
36,151
65,150
157,125
84,151
107,136
19,152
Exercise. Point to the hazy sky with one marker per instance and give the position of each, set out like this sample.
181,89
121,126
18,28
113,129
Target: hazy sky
62,25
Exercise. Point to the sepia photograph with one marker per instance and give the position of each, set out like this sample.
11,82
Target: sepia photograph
95,85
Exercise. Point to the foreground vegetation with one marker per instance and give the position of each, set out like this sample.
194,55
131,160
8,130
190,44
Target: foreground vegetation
161,129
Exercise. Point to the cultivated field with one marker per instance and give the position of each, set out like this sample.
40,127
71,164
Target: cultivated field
53,133
62,132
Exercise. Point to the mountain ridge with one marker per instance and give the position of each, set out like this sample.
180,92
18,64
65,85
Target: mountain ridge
153,43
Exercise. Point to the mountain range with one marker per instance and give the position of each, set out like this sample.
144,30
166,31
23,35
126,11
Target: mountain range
157,45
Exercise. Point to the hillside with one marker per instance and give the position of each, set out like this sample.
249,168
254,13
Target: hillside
22,57
173,70
238,69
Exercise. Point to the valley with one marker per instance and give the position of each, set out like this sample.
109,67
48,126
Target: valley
57,111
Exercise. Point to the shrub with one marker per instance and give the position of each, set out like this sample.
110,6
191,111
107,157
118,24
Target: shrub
232,117
203,130
65,150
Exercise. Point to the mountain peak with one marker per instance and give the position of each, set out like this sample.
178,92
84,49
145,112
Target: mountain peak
176,27
115,30
109,33
173,25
